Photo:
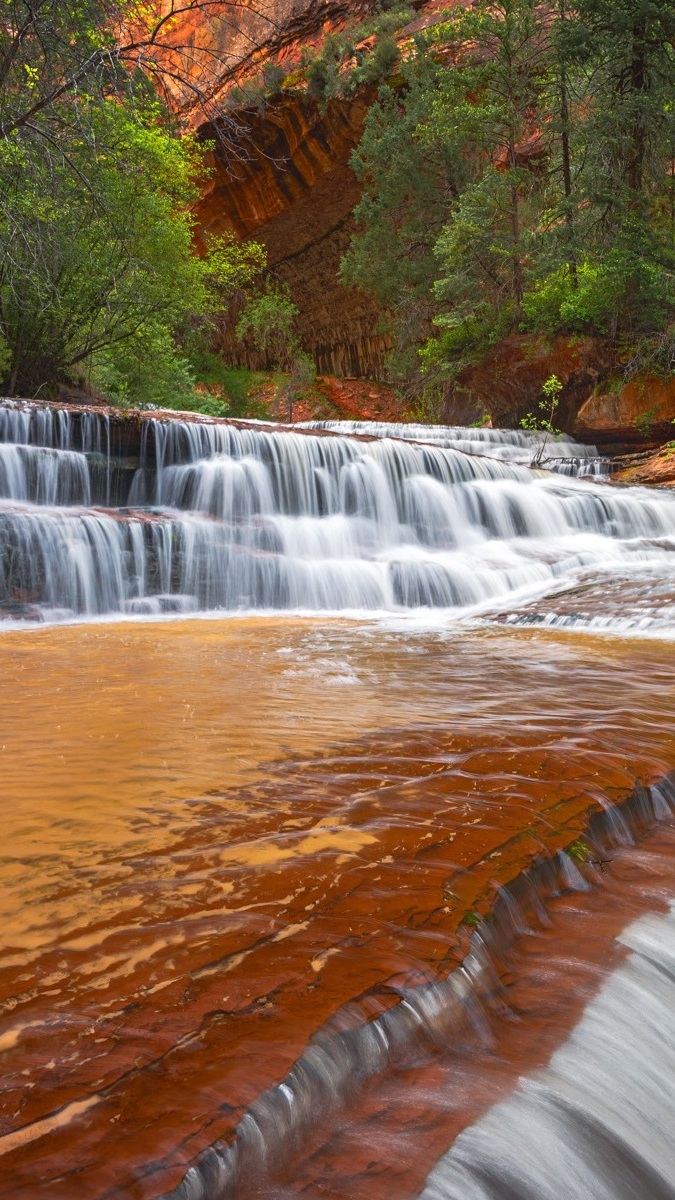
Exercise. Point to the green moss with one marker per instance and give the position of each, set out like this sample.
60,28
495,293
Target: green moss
471,919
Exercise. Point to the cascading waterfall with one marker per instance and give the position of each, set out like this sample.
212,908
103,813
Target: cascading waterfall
598,1122
556,452
42,475
217,516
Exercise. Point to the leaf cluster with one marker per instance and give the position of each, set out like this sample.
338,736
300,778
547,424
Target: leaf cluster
99,282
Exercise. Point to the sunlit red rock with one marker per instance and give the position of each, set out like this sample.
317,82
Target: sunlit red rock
642,410
658,470
508,381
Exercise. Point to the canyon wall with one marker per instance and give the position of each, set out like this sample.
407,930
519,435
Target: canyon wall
292,187
296,196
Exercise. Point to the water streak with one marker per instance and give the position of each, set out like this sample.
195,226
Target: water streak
598,1122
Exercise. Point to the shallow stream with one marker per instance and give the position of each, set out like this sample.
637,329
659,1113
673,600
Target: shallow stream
244,855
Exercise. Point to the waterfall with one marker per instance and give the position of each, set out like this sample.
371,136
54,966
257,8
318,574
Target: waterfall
44,476
554,451
207,515
598,1122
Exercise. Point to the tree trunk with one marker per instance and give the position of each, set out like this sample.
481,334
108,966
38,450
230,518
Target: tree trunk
567,161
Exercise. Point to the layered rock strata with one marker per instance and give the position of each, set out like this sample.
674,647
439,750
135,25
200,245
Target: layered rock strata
291,187
296,195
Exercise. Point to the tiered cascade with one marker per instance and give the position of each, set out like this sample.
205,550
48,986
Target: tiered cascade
556,452
224,516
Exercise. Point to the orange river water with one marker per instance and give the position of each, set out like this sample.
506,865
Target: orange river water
216,834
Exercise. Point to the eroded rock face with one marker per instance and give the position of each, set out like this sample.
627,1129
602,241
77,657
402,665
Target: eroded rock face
295,191
508,382
244,36
297,195
658,470
641,411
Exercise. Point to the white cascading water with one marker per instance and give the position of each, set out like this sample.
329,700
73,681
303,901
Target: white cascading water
223,517
555,452
598,1123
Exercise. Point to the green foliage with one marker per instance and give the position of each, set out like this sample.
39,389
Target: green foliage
624,291
230,268
653,354
427,407
361,55
548,405
471,920
268,324
259,90
231,384
99,281
268,321
528,185
296,385
464,338
644,421
144,370
407,180
543,421
87,267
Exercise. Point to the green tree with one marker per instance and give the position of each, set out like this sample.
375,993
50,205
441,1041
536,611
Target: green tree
619,67
98,266
542,422
409,182
268,323
487,110
450,200
98,276
554,206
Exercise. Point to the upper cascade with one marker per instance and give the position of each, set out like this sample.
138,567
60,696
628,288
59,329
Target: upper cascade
555,452
209,515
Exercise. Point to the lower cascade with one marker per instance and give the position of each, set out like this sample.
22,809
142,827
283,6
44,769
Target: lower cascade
216,516
599,1119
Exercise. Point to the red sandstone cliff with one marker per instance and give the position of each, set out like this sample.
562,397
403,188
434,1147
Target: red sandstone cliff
293,188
